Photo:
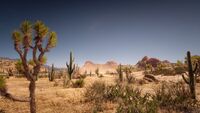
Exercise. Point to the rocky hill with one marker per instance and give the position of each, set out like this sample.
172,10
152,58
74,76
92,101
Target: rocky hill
89,66
152,61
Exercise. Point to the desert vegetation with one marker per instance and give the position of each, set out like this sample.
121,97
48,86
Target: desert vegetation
150,86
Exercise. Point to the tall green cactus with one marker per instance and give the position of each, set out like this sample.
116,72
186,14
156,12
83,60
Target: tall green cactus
120,72
70,66
191,76
52,73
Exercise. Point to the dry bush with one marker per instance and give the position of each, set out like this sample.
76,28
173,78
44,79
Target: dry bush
175,97
79,83
3,88
130,79
128,98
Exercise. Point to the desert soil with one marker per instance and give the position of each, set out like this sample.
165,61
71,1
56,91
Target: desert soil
56,99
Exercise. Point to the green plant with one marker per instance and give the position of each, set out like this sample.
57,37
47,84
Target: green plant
129,77
2,82
192,76
79,83
52,73
96,91
174,96
97,71
134,102
179,68
32,37
129,99
120,72
70,66
95,94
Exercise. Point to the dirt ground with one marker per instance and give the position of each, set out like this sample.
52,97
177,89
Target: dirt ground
56,99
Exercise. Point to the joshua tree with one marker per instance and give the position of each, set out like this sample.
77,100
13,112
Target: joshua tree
70,66
52,73
192,76
32,37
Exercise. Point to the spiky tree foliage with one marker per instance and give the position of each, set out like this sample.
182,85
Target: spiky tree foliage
120,72
191,76
51,74
31,37
70,66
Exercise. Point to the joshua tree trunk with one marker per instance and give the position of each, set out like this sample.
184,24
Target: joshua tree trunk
32,96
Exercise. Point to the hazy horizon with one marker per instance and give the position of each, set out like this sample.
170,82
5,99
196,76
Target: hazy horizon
123,31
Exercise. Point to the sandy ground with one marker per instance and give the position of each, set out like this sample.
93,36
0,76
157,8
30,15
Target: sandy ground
56,99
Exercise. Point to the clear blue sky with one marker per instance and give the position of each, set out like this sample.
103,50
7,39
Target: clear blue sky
98,30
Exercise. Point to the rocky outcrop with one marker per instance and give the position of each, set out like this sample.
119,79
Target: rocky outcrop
150,78
152,61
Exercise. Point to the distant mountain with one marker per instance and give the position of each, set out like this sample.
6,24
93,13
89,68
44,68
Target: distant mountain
6,58
89,66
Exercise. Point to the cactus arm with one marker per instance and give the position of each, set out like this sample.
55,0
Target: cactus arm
195,69
186,81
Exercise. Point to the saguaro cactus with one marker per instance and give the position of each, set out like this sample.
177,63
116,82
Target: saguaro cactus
191,76
120,72
52,73
70,66
97,71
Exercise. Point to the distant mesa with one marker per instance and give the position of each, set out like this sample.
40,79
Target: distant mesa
88,63
111,63
89,66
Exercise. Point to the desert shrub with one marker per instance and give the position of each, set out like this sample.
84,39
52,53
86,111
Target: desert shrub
3,88
120,72
130,79
179,69
79,83
101,75
95,91
129,99
134,102
174,96
163,71
2,82
141,81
